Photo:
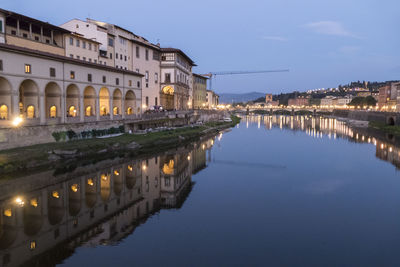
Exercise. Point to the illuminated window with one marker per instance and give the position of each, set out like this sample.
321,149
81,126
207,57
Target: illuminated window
34,202
103,111
3,112
30,112
88,111
115,111
90,182
53,111
7,212
28,68
129,111
55,194
72,111
33,245
72,75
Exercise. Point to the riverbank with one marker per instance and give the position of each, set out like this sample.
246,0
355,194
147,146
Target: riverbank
66,156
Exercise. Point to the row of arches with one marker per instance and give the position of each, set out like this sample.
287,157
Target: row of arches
70,198
29,99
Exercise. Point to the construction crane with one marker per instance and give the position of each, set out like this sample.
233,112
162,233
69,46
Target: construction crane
214,74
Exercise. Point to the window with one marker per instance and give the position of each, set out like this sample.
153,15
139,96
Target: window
147,101
137,70
138,84
130,83
120,56
52,72
104,79
72,75
71,41
111,42
111,55
146,75
156,55
156,77
28,68
89,77
117,81
71,55
90,46
125,58
1,65
78,43
84,58
83,44
1,26
167,77
116,55
156,103
95,48
137,52
147,54
95,61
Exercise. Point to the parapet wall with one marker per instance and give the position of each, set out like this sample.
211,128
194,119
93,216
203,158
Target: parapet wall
390,118
40,134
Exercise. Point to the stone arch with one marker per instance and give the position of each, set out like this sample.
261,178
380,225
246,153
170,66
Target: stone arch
52,100
130,102
104,101
167,97
8,227
29,99
105,187
391,121
55,204
91,192
72,101
33,216
117,102
74,199
5,99
89,101
118,182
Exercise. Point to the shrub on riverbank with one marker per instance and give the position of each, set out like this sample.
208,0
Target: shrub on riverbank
72,135
390,129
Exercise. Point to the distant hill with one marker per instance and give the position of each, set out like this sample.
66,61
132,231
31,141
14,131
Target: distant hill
229,98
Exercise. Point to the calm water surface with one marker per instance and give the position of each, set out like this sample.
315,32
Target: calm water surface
274,191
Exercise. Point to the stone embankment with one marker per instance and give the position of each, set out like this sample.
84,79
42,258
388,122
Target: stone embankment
360,117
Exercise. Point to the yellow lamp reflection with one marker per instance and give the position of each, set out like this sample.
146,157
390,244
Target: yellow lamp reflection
19,201
7,212
104,177
130,168
34,202
116,172
32,245
90,182
169,168
55,194
74,188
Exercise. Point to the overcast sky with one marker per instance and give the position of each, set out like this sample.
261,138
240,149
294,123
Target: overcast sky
323,42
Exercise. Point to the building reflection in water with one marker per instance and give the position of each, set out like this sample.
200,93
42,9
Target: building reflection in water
44,217
387,146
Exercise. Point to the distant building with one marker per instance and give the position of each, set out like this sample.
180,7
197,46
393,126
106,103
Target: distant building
268,98
299,101
212,99
199,91
363,93
327,101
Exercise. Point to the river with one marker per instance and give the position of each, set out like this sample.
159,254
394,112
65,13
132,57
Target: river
273,191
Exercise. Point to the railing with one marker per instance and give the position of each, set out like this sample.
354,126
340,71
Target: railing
105,118
53,121
90,119
73,119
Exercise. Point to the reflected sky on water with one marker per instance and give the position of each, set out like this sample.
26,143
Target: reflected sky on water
278,191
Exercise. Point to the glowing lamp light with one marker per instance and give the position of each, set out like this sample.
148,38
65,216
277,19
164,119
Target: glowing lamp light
144,167
34,202
74,188
90,182
188,157
7,212
19,201
17,121
55,194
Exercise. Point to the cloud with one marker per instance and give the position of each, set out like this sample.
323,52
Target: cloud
275,38
329,28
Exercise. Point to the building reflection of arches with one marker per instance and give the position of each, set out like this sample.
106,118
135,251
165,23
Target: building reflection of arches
55,204
33,215
105,187
104,101
117,102
91,192
74,199
72,100
130,176
5,99
29,99
8,227
118,181
130,102
53,100
89,101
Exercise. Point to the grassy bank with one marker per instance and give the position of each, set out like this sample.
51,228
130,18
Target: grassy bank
394,130
66,156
